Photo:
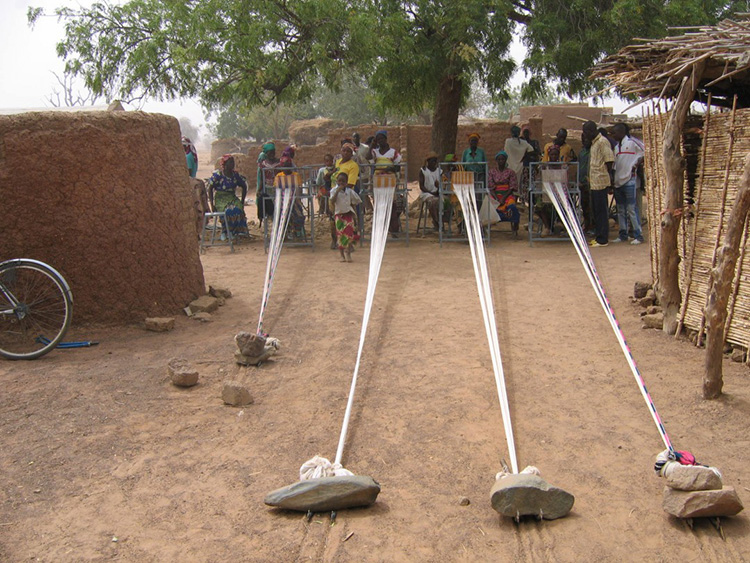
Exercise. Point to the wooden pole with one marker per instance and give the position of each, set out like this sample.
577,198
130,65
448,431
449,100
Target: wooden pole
720,285
737,279
697,208
674,168
722,209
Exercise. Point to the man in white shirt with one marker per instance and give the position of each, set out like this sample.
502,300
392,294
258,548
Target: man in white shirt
628,153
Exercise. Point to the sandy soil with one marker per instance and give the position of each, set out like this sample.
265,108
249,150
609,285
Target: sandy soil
102,458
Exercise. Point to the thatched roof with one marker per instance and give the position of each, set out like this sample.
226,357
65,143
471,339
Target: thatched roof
655,68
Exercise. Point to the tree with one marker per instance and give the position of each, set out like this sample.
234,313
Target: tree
417,55
481,105
188,129
67,97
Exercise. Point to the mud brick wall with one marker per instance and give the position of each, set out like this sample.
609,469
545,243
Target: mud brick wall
555,117
413,141
105,198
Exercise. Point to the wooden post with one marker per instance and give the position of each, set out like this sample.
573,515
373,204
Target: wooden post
674,168
720,285
696,207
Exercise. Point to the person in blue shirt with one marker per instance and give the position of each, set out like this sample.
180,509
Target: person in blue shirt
191,155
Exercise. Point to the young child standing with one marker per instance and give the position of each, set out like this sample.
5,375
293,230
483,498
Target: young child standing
323,182
344,200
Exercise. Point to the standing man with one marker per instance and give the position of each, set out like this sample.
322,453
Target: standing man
583,184
360,155
601,171
628,154
566,151
517,148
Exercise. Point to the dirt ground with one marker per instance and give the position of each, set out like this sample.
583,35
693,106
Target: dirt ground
103,459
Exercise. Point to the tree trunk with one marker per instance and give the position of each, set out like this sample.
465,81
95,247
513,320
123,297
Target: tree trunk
720,285
674,168
445,116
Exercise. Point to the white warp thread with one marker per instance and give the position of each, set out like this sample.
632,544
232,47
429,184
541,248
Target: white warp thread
559,196
284,197
465,194
382,204
317,467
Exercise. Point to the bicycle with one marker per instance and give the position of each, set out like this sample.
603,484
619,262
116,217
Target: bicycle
36,307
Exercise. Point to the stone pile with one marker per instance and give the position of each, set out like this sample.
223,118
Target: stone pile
253,349
694,491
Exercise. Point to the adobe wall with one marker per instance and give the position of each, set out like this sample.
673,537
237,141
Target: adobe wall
555,117
105,198
413,141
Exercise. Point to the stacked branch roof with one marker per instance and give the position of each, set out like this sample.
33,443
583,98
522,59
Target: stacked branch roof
714,146
654,69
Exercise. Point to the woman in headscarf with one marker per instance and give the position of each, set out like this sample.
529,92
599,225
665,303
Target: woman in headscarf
475,154
267,164
386,160
297,218
191,156
502,183
222,194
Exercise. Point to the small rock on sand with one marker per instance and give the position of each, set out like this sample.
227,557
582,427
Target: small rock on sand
182,373
205,303
216,291
640,289
236,394
160,324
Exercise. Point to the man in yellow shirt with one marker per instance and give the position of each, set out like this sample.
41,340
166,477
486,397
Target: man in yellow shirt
566,151
601,172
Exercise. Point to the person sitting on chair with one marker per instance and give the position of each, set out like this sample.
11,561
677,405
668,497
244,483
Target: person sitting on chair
502,182
429,183
222,195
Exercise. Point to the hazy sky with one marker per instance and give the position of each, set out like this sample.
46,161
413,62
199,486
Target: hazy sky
28,60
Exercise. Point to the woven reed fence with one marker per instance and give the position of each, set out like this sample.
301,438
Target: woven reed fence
720,160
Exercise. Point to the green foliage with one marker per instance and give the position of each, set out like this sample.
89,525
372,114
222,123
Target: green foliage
242,54
564,39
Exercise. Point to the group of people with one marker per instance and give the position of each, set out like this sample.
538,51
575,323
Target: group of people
607,165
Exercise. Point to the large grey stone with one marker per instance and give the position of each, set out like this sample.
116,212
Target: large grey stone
653,321
693,504
235,394
529,495
326,493
692,478
640,289
182,373
204,304
160,324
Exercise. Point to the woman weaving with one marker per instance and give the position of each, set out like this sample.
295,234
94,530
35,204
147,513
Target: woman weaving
222,194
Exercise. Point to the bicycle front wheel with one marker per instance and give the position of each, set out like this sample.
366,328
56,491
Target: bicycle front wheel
36,307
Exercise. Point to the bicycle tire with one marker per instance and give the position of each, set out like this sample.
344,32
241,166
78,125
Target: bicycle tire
44,304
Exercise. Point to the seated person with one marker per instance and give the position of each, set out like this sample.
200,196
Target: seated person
429,183
544,209
502,182
222,195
